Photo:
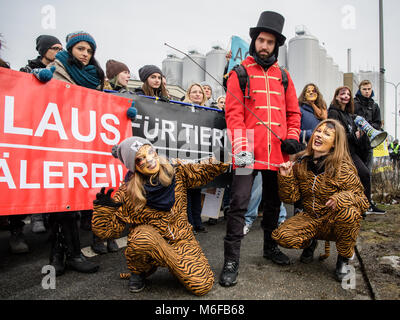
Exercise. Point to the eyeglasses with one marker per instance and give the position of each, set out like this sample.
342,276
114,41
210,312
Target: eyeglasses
56,48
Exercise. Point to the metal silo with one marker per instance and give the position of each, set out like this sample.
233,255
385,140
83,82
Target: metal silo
215,65
322,73
303,57
331,80
172,68
282,57
192,72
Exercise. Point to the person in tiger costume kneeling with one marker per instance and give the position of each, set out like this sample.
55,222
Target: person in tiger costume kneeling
324,176
154,202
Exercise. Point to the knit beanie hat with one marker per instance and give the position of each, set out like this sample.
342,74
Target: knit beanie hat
127,149
147,70
44,42
114,68
75,37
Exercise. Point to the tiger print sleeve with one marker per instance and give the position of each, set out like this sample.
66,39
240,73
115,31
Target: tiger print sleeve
288,188
199,174
108,222
352,191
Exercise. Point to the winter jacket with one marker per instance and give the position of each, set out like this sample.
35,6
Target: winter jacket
277,109
347,120
33,64
369,110
308,122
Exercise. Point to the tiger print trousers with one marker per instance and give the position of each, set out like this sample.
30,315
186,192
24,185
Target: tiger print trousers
341,227
147,249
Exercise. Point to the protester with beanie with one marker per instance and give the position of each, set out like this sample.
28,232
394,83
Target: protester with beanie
153,203
77,64
118,75
47,46
153,86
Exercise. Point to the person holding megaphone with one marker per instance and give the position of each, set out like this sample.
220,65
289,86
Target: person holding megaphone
342,109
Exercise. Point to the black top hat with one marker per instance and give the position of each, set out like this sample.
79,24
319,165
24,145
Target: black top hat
271,22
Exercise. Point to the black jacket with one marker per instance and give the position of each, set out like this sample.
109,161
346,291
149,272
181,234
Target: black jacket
368,109
32,64
347,120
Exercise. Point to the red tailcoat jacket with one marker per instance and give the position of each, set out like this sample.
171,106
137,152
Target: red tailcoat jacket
278,110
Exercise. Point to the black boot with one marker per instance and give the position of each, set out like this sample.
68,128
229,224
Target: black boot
74,258
341,268
98,245
57,256
272,252
307,255
137,282
229,274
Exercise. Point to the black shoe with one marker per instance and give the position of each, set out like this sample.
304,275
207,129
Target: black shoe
374,210
341,268
98,245
200,229
112,245
81,264
57,258
212,222
229,274
272,252
307,255
136,282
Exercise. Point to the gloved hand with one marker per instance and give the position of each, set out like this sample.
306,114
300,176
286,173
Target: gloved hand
44,75
132,112
291,146
243,159
103,199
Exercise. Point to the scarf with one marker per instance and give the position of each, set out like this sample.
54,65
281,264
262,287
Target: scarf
320,114
159,197
85,77
316,165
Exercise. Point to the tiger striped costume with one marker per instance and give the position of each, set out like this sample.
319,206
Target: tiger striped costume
318,221
159,238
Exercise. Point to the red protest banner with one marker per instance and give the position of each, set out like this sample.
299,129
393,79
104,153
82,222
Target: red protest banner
55,144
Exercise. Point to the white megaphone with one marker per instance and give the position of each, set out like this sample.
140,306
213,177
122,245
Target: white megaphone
376,137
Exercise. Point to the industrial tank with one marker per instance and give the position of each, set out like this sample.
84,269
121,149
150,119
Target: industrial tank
215,65
330,78
322,73
192,72
303,57
282,57
172,68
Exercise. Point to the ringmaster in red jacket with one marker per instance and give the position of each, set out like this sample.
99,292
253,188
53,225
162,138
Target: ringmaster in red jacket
254,147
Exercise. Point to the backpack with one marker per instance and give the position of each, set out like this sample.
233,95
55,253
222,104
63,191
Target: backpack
244,79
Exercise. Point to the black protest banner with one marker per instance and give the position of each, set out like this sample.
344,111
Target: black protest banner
184,131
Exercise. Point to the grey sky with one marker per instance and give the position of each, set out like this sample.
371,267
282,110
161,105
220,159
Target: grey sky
135,31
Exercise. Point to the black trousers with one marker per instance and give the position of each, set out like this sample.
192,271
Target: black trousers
363,174
240,197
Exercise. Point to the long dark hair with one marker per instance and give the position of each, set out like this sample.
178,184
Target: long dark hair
159,92
74,61
349,106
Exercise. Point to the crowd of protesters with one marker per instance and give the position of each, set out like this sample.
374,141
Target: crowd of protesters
310,123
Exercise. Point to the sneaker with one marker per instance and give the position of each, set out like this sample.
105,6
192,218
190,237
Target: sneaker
229,274
136,282
273,253
37,223
246,229
374,210
200,229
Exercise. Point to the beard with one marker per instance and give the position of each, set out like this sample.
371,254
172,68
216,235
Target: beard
264,55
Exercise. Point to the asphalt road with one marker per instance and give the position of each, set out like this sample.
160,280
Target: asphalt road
259,279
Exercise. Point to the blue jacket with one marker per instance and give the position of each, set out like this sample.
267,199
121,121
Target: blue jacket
308,122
